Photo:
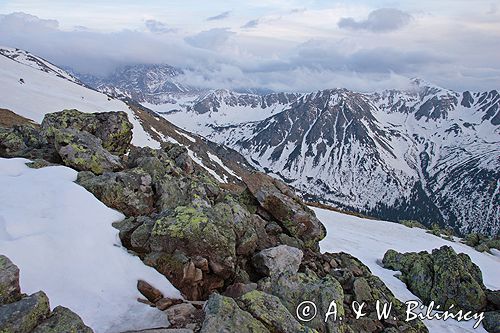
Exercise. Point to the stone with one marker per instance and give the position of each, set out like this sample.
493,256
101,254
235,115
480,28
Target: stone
62,320
151,293
10,291
294,289
238,289
493,298
84,152
129,191
112,128
491,322
180,314
222,314
278,260
362,290
293,215
269,310
24,315
445,277
165,303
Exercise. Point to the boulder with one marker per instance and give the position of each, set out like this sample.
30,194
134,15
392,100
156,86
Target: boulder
491,322
62,320
84,152
294,289
443,276
181,314
24,315
292,214
282,259
269,310
222,314
129,191
10,290
151,293
112,128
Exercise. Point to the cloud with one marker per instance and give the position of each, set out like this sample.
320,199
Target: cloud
251,24
157,26
210,39
219,17
461,58
380,20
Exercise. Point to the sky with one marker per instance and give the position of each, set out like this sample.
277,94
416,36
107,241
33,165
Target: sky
282,45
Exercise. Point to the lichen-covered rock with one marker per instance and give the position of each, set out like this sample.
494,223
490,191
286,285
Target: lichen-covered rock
269,310
62,320
491,321
112,128
129,191
9,281
281,259
84,152
24,315
443,277
294,289
25,141
222,314
294,216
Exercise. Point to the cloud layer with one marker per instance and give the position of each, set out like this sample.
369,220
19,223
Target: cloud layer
294,50
380,20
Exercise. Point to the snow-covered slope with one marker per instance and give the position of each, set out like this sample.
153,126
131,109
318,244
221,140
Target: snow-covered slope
368,240
426,153
32,87
42,215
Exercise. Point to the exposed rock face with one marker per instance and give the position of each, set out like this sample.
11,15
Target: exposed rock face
25,314
444,277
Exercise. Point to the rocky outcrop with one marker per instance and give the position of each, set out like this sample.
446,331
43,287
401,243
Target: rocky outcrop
20,313
255,242
82,141
443,276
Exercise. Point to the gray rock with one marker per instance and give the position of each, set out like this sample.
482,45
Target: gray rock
112,128
270,311
62,320
84,152
9,281
491,321
180,314
282,259
222,314
24,315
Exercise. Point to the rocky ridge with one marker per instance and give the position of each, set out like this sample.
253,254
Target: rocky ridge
227,245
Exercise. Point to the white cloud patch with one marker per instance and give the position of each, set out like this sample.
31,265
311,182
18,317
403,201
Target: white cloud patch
219,17
379,20
155,26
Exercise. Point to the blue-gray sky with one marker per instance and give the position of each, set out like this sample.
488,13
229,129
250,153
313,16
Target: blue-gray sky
278,44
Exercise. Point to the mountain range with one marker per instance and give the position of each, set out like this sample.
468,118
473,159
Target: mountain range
424,153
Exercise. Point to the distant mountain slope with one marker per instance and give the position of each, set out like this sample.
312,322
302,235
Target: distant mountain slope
32,87
426,153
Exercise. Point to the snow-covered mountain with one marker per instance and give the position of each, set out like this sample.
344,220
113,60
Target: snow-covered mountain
32,87
144,83
425,153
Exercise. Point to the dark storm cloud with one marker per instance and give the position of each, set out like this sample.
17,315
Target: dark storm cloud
380,20
219,17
